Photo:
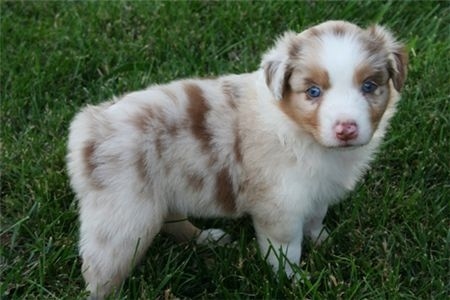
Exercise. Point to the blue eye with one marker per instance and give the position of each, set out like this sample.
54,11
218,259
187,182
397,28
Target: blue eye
368,87
314,91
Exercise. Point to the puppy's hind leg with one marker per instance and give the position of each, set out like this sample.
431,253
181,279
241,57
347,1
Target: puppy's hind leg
116,230
179,226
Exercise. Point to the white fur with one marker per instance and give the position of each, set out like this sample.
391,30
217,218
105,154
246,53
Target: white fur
221,147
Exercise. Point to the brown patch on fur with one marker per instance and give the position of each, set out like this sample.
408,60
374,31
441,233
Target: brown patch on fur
375,47
378,105
367,72
142,120
286,85
90,165
374,42
375,115
88,155
224,191
314,32
307,120
170,127
197,111
237,145
378,100
294,50
152,121
255,191
141,167
195,181
340,29
173,129
159,145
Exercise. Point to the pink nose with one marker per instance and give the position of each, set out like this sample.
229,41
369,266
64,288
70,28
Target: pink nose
346,130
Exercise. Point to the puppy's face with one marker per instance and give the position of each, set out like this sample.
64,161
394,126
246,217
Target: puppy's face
336,80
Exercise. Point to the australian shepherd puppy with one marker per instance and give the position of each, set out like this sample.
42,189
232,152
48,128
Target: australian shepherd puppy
280,145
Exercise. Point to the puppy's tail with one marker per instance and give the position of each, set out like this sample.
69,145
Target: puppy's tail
88,130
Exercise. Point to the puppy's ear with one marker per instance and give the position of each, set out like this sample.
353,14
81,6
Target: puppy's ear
397,54
276,64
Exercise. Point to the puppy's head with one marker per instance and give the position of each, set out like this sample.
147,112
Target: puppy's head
336,80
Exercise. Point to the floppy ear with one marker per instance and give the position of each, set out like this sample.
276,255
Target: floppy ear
398,70
275,64
397,55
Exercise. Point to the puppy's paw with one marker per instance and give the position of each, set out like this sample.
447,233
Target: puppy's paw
213,236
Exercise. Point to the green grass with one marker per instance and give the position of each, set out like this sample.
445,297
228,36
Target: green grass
390,238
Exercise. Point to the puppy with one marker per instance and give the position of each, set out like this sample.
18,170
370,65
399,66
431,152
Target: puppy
280,144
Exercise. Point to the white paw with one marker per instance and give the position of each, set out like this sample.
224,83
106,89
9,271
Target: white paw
213,236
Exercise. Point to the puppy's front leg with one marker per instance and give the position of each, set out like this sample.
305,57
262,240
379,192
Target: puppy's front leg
314,225
281,242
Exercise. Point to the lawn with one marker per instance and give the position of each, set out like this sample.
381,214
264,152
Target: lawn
390,238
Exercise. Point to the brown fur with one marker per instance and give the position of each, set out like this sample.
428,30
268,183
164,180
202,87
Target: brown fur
319,76
307,120
142,120
237,146
225,193
90,163
195,182
197,110
141,167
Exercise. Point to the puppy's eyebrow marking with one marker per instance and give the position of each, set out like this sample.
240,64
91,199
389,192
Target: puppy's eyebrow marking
318,75
366,71
197,111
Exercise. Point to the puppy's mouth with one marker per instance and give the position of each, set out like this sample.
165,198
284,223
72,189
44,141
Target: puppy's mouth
336,144
345,146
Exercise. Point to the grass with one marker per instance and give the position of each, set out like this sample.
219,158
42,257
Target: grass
390,238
